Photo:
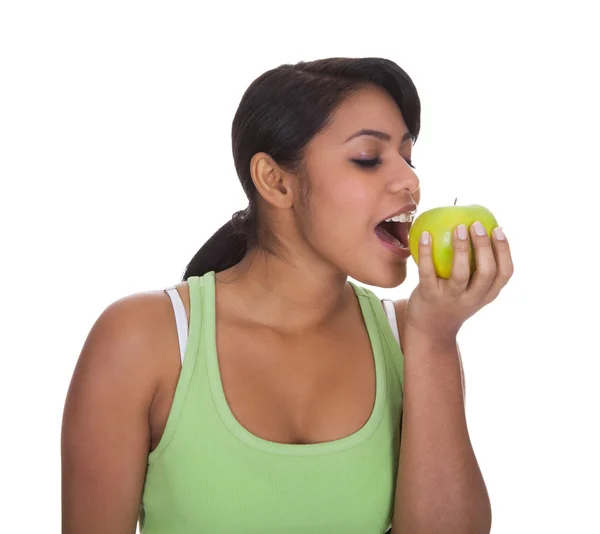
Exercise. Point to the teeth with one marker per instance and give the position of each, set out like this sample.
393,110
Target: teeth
403,217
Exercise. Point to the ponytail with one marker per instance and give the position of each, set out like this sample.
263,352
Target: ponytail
227,247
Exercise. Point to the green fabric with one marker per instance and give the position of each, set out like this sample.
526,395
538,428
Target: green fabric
210,475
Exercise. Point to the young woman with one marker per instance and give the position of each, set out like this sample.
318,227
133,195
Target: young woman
266,393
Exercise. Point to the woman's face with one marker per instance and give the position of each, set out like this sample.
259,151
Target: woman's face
360,175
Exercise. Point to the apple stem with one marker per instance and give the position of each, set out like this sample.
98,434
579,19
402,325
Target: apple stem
455,200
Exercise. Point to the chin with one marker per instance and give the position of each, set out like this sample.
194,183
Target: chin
383,275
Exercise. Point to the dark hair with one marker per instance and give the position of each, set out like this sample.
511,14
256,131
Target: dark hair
279,114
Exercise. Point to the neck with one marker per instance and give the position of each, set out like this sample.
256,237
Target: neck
285,293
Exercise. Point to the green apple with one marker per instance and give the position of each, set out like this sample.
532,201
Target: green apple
440,223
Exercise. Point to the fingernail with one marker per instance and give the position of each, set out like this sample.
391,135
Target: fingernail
461,231
425,238
499,234
479,229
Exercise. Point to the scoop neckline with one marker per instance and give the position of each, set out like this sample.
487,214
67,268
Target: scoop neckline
292,449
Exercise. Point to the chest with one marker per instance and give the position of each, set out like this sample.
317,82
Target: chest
309,389
216,479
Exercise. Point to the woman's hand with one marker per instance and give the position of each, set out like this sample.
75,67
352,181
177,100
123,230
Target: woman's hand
438,307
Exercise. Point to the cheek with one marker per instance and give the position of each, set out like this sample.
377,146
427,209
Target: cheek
343,205
357,196
343,201
344,189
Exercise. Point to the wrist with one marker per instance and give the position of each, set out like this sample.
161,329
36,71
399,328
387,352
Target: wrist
434,340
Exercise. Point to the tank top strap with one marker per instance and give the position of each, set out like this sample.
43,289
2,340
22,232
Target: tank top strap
180,319
385,316
390,312
190,346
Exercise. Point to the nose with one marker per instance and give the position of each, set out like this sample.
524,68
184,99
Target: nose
404,180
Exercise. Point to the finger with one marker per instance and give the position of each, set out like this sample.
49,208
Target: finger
459,278
504,264
485,261
427,276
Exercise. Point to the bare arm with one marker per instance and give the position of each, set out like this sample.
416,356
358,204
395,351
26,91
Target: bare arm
105,432
440,488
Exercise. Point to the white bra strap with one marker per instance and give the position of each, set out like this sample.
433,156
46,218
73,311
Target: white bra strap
390,311
180,320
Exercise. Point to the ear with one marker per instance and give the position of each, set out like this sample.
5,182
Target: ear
273,183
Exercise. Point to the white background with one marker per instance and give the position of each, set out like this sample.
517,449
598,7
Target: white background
116,166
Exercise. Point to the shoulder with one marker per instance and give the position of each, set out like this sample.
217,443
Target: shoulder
133,337
137,320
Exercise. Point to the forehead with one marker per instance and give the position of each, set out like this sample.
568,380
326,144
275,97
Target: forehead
370,107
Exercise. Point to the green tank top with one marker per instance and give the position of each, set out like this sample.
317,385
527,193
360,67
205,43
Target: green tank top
208,474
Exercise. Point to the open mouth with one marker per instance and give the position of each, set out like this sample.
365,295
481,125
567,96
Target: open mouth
395,231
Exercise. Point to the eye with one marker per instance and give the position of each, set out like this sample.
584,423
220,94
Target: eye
372,163
367,163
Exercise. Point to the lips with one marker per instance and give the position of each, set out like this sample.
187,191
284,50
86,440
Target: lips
408,208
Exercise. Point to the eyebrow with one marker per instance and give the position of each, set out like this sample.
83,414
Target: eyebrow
379,135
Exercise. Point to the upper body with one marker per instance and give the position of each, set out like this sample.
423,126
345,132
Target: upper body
320,187
130,369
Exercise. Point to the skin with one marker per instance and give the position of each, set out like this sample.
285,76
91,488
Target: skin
291,318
